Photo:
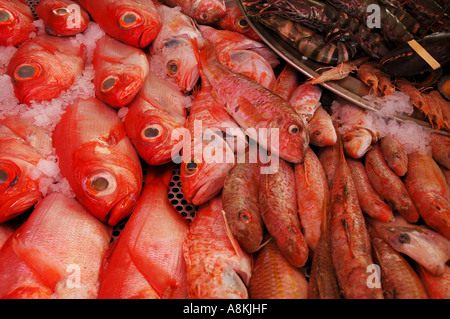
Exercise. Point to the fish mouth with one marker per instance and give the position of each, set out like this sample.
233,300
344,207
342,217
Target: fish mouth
205,192
122,209
147,36
190,79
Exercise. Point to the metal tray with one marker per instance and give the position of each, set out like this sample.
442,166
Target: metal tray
350,88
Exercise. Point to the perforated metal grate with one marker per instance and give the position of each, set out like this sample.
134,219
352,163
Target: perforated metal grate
175,194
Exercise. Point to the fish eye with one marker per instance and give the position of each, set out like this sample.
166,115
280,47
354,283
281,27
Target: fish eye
317,133
8,174
404,238
5,16
3,176
26,71
293,129
172,67
191,168
108,84
129,19
152,132
101,184
204,16
61,11
242,23
245,217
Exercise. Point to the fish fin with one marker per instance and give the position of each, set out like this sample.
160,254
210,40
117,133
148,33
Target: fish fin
154,272
203,54
46,268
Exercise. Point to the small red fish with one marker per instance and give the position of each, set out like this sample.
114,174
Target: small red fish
398,278
235,21
22,146
45,66
254,107
134,22
440,150
313,196
57,253
321,129
286,82
156,113
329,157
305,100
202,11
429,190
395,154
273,277
98,159
217,267
371,203
16,22
389,185
120,71
279,211
424,245
62,17
147,259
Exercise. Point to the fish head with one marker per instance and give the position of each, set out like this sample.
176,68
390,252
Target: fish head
287,137
117,85
178,58
15,22
136,25
356,142
208,11
107,182
203,175
152,133
62,18
18,191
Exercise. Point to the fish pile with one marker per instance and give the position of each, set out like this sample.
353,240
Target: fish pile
296,199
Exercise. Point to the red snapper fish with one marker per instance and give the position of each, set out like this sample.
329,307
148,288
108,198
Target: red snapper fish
44,67
120,71
98,159
206,163
172,52
22,146
155,115
56,254
281,130
147,259
217,267
134,22
235,21
202,11
16,22
62,17
243,55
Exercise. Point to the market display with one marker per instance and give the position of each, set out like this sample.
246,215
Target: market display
163,150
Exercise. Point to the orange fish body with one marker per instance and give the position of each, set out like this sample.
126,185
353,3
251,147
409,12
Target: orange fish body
350,241
440,150
147,260
395,154
305,100
371,203
241,207
243,55
329,157
98,160
136,23
158,111
255,107
56,253
398,278
16,22
62,17
389,185
120,71
286,82
203,11
321,129
438,287
429,190
217,266
312,196
279,211
22,146
273,277
45,66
